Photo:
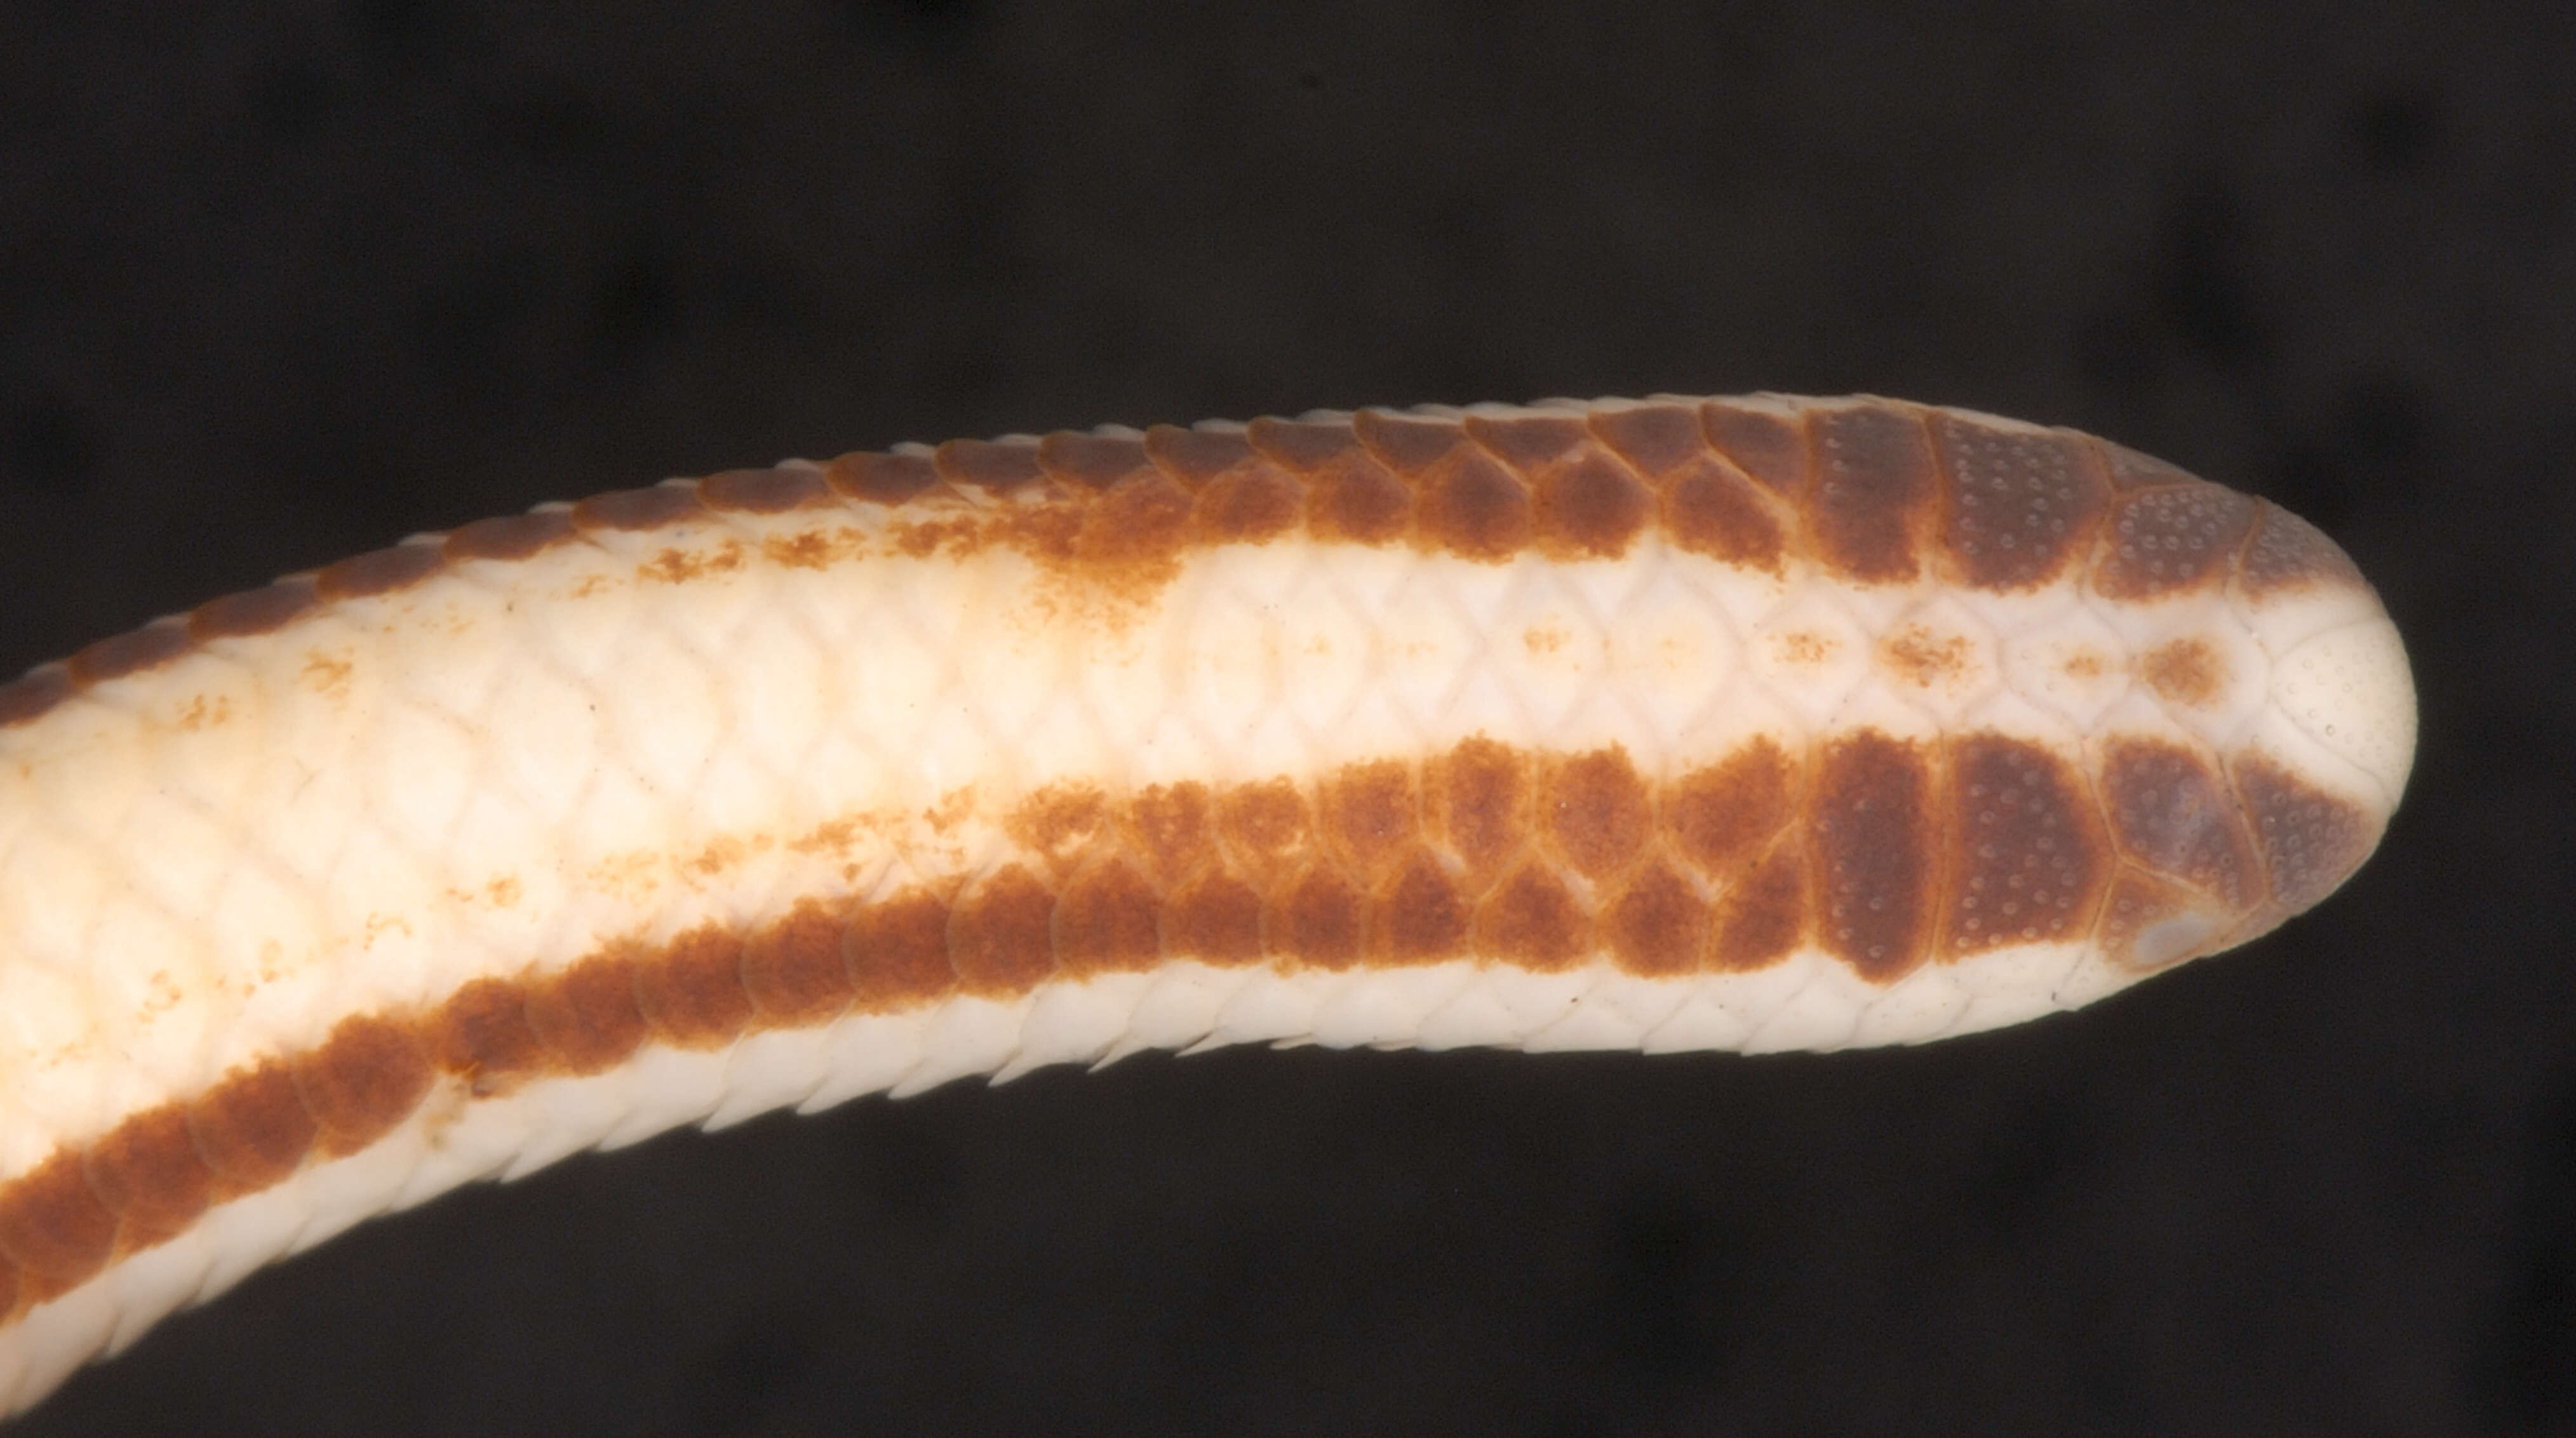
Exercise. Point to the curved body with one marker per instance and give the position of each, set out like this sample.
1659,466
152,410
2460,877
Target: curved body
1754,723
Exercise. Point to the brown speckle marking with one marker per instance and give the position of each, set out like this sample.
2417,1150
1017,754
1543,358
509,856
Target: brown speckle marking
256,611
898,952
638,510
1529,442
482,1035
1000,938
1480,797
1093,461
1874,474
1877,844
252,1127
795,971
693,998
510,538
1590,507
2311,840
682,566
1171,827
1924,657
1770,447
1658,926
383,571
2290,555
148,648
1723,817
2022,504
1419,917
1266,823
1711,509
1320,924
2030,859
202,714
2171,811
1531,920
1805,648
366,1078
1058,820
54,1227
1656,438
887,479
148,1172
1765,916
2170,541
776,490
1407,444
1197,457
1474,508
2190,672
1598,811
1109,921
588,1016
1216,919
1370,812
327,674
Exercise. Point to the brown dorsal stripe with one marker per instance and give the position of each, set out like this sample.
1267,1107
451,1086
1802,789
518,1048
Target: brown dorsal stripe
1853,485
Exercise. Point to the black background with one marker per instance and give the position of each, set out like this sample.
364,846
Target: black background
281,281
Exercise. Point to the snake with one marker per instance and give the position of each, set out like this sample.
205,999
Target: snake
1752,723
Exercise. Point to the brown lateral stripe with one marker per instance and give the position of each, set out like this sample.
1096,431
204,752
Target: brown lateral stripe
1868,490
1534,859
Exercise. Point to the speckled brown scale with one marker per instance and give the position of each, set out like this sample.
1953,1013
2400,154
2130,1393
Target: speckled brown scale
588,1016
993,466
1529,443
1769,446
2310,839
2022,505
149,1173
1098,462
1658,924
153,645
1874,478
2169,541
2029,856
782,489
2287,555
1197,458
2171,811
1877,840
365,1078
794,969
1108,921
693,997
252,1127
635,510
887,479
1418,916
512,537
253,611
1001,936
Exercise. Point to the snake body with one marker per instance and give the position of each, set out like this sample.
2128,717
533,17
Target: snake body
1754,723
